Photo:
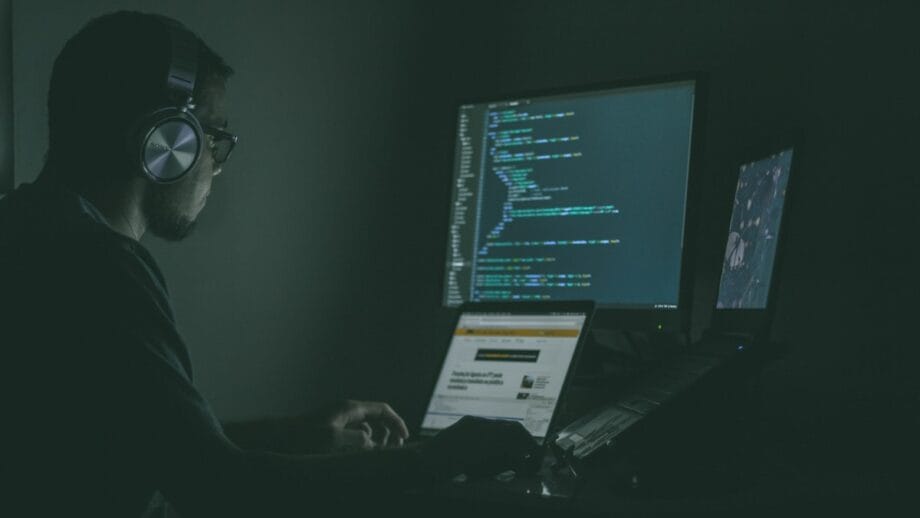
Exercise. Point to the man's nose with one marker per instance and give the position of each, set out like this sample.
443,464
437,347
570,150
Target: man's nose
217,171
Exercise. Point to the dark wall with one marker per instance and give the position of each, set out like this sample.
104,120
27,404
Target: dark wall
6,99
317,269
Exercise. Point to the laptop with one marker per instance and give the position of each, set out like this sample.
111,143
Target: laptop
509,361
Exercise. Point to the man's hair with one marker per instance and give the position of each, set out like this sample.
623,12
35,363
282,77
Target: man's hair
107,76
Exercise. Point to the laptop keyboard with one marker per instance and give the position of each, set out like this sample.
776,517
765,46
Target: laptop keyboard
601,426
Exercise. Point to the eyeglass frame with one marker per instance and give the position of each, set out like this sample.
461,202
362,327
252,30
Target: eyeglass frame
220,135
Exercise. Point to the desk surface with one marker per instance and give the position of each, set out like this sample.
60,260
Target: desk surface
778,487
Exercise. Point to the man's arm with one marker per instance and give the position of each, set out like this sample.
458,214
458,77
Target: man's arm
171,430
166,425
275,434
343,426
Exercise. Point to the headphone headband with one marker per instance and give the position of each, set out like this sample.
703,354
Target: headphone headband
183,66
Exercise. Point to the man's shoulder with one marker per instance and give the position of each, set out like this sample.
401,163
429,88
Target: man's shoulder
58,230
122,255
127,271
53,246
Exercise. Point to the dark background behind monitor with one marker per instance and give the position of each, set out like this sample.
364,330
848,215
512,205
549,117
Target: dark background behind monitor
316,271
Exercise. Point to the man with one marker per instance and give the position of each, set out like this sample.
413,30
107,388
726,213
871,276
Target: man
100,416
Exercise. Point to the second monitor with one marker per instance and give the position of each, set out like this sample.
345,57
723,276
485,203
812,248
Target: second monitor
573,195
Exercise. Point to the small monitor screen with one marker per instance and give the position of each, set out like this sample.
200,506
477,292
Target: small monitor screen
753,233
502,366
577,196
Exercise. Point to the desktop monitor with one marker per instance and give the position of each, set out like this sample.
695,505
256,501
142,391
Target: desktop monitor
577,195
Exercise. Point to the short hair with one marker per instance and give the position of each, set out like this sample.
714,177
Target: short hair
107,76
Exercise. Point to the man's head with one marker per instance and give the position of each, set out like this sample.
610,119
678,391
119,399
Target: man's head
107,77
172,209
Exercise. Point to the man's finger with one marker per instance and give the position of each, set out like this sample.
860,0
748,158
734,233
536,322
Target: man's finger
349,439
383,435
390,418
357,411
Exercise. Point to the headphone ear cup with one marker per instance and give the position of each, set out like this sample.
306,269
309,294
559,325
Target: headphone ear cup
167,144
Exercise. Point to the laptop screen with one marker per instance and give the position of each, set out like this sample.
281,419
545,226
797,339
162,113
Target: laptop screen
754,232
505,366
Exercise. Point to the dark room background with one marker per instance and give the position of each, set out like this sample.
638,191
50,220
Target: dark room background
316,269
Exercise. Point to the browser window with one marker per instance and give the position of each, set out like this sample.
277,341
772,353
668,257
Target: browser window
502,366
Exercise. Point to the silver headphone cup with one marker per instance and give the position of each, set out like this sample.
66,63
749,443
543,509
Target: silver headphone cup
170,149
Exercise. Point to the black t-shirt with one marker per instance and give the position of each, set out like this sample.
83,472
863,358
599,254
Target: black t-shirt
99,409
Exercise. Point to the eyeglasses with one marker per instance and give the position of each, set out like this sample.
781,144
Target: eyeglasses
221,143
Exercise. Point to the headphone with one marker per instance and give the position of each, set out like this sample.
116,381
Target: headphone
167,142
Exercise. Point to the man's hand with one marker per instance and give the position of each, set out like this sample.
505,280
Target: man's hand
478,447
358,425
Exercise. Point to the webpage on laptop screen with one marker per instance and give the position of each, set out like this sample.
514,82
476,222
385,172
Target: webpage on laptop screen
505,367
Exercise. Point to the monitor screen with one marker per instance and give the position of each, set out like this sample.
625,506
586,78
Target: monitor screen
578,196
505,366
753,233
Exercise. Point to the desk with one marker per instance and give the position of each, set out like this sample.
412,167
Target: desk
780,487
746,464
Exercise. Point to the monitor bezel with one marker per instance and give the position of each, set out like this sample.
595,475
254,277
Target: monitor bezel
614,316
756,323
519,308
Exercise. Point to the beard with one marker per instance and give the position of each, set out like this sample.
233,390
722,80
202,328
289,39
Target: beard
164,219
